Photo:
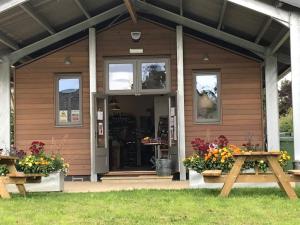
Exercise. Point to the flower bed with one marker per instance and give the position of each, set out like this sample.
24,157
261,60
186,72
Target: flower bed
52,166
39,162
219,156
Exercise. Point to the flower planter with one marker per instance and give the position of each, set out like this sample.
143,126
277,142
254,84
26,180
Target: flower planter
52,183
196,179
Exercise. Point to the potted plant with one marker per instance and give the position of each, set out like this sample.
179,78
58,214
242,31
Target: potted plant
52,166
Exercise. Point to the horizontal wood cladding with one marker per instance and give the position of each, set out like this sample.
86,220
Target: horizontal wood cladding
241,103
35,113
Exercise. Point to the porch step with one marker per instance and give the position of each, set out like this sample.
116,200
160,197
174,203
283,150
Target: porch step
130,173
134,176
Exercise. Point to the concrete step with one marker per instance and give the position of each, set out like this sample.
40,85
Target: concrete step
136,179
130,173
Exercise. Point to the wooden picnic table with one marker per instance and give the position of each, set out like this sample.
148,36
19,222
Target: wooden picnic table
14,177
276,173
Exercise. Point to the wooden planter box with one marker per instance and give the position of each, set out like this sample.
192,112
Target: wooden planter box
52,183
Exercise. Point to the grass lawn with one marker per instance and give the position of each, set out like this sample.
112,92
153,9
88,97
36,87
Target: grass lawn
244,206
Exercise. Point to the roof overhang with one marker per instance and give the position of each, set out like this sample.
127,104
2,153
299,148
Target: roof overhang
253,25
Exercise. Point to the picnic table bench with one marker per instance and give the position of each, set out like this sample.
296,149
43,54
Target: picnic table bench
15,177
276,173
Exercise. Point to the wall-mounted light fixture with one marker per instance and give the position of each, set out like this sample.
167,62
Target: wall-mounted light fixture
205,57
68,60
136,36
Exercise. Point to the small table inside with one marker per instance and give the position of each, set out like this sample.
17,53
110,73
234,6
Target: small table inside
277,175
156,147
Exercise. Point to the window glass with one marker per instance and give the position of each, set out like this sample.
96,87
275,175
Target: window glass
207,98
154,75
68,100
120,77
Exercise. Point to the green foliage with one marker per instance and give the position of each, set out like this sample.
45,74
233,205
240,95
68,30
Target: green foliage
285,97
12,128
286,122
3,170
195,163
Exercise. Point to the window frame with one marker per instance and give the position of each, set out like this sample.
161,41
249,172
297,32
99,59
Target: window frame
137,80
168,76
68,76
195,106
120,92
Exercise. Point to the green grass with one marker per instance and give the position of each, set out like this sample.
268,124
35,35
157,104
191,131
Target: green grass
244,206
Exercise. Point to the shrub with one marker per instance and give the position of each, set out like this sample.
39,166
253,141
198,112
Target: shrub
286,122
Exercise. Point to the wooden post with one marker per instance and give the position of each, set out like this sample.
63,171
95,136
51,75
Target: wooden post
272,103
93,90
295,68
180,103
5,105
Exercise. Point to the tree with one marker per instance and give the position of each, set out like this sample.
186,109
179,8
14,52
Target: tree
285,97
286,122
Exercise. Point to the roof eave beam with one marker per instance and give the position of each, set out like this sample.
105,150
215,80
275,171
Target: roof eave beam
8,41
264,8
281,38
8,4
30,11
17,55
263,30
222,14
83,9
131,9
192,24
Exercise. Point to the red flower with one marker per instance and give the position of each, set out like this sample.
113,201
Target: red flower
221,141
37,147
200,146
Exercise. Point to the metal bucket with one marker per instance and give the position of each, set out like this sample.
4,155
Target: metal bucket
164,167
296,165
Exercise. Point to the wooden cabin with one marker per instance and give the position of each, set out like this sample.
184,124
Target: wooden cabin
115,85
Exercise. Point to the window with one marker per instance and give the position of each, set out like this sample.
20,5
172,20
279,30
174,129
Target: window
68,100
154,76
207,97
120,77
138,76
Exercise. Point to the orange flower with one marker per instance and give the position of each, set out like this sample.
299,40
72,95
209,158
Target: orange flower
216,151
235,148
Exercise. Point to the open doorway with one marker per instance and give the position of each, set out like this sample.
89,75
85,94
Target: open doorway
132,118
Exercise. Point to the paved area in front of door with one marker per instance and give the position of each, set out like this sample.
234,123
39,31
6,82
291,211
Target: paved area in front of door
123,185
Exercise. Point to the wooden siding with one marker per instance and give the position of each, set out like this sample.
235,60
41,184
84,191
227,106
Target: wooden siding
240,91
35,107
241,103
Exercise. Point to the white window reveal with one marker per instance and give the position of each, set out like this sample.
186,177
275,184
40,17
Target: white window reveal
138,76
68,100
207,97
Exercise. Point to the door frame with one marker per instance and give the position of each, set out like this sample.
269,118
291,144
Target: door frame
94,134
